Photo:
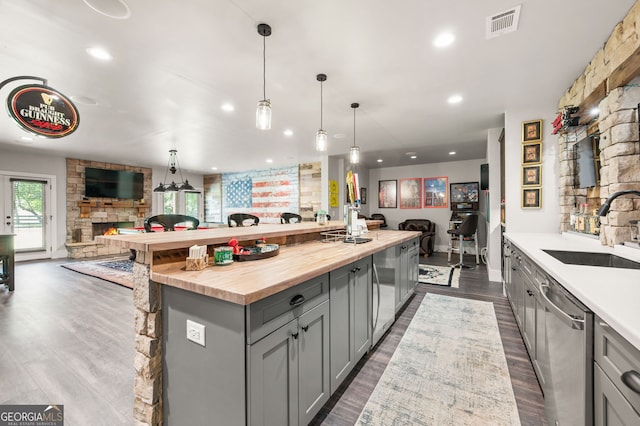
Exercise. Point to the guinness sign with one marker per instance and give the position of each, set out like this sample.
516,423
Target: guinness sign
43,111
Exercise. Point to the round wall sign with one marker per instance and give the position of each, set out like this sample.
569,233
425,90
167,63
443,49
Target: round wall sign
43,111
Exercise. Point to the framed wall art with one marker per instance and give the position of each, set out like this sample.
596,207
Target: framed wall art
435,192
411,193
532,198
363,195
531,175
532,153
531,131
387,194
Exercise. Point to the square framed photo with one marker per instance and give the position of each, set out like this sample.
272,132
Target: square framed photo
532,175
387,194
531,131
532,198
435,192
411,193
532,153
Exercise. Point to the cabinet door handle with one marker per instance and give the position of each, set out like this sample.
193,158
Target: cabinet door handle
354,270
631,378
305,328
529,292
358,269
295,335
297,300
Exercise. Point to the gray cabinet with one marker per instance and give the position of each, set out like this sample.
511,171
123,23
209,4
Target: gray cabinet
290,371
616,378
350,334
408,256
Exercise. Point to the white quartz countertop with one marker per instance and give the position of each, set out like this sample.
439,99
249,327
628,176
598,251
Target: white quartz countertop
611,293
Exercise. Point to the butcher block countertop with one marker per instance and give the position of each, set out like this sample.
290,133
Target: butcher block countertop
249,281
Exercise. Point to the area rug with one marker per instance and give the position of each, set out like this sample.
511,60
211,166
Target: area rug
448,369
439,275
117,270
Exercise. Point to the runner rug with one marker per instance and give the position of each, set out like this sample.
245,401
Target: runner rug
439,275
449,369
119,271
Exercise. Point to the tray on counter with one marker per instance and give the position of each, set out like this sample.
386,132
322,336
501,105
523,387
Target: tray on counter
257,253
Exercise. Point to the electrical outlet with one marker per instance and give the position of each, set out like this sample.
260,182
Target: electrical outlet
195,332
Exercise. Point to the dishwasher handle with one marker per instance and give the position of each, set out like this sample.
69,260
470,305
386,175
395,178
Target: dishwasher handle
631,379
570,320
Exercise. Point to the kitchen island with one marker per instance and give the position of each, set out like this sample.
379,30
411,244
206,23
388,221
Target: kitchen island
249,320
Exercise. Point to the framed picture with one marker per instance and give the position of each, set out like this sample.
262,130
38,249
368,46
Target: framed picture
531,198
531,175
464,192
531,131
387,194
363,195
411,193
435,192
531,153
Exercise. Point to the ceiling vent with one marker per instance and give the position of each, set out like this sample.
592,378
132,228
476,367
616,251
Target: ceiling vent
503,22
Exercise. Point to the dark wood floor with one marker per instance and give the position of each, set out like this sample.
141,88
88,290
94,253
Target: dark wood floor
67,338
346,404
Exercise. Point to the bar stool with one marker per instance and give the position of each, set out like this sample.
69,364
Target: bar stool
467,229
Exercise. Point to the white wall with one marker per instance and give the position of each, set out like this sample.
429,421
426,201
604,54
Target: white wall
456,171
494,228
547,218
15,161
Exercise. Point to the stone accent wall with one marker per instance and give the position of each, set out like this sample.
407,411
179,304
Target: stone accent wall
310,190
79,238
609,81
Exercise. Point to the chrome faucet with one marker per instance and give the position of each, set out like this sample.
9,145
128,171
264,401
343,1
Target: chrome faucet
604,209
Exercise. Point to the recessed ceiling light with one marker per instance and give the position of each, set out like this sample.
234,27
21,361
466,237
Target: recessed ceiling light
452,153
379,160
227,107
413,157
444,40
269,160
288,132
99,53
214,168
454,99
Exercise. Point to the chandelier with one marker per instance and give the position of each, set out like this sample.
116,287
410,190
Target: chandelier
173,167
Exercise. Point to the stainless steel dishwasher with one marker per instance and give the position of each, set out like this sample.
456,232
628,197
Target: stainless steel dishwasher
568,358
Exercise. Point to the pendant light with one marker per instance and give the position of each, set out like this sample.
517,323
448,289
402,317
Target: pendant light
354,151
263,112
173,167
321,135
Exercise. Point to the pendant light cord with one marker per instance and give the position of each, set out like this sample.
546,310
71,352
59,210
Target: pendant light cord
354,127
264,68
321,105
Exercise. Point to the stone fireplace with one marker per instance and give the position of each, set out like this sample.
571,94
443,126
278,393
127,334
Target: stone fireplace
87,218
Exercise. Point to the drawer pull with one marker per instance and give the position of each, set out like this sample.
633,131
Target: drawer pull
305,328
295,335
297,300
631,378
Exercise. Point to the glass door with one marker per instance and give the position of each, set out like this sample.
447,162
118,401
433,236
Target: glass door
26,213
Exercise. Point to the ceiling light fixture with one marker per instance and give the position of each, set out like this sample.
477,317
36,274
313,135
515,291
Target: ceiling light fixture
173,167
228,107
452,153
288,132
354,151
99,53
379,160
413,157
321,135
263,112
455,99
444,40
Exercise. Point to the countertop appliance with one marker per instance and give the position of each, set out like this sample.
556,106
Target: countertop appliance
383,293
567,363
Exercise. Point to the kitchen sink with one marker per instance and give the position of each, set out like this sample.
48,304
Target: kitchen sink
607,260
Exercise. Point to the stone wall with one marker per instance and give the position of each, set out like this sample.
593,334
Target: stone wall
609,81
79,238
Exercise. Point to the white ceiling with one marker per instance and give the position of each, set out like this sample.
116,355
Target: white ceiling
176,62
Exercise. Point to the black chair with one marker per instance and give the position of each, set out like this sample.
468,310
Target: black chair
169,221
428,229
290,218
242,219
466,229
379,216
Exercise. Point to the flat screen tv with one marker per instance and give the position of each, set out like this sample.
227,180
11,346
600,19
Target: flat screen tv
113,183
464,192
